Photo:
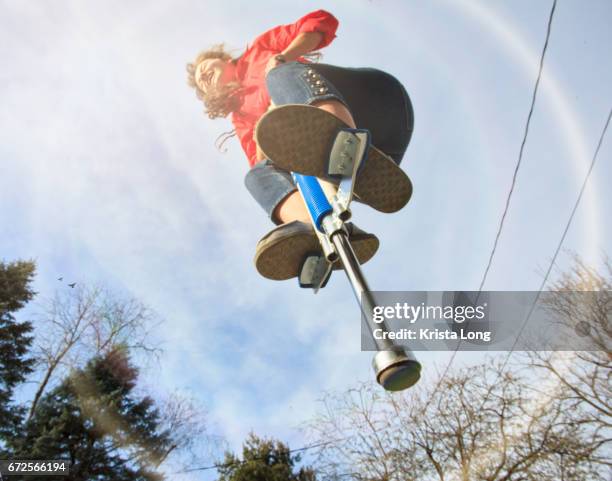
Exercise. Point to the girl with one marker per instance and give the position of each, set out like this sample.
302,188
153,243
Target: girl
275,70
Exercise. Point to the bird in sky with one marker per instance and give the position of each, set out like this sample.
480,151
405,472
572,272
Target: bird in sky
60,279
72,285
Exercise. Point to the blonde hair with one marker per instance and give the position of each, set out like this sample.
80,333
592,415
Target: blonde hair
222,100
218,101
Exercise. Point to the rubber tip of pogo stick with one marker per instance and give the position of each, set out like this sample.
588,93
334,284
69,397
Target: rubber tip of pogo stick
400,376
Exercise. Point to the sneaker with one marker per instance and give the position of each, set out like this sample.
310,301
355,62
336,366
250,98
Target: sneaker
280,253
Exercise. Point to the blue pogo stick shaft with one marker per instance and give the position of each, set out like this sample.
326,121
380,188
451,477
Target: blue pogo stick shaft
315,198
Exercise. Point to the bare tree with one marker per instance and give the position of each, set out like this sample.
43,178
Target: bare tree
585,306
186,423
543,416
481,424
79,323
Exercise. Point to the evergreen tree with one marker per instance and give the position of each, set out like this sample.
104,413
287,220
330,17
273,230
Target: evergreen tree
15,340
94,420
264,460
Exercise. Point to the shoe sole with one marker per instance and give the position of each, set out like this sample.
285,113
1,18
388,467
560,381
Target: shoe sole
280,257
299,137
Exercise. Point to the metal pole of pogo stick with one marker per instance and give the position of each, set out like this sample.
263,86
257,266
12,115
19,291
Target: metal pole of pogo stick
395,368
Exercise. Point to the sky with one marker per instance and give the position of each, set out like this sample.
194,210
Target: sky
109,174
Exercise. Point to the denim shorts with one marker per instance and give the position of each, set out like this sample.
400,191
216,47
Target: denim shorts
377,101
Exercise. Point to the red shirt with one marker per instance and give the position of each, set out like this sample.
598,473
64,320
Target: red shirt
250,71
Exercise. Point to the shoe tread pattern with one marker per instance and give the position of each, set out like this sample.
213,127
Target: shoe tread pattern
298,138
280,258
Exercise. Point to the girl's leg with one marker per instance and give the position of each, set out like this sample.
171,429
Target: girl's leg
280,253
275,191
338,109
369,98
292,207
378,102
289,209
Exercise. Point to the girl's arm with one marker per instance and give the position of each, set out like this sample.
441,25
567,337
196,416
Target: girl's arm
304,43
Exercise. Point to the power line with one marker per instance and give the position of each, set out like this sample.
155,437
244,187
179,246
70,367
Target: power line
558,249
560,244
522,149
512,184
